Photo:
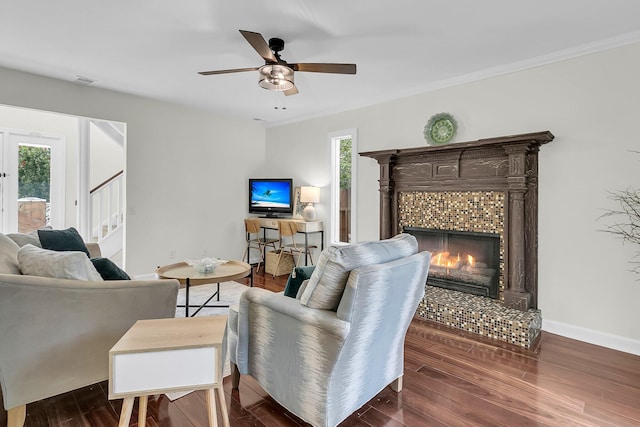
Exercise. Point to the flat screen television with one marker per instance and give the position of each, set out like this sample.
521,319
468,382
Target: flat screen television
271,197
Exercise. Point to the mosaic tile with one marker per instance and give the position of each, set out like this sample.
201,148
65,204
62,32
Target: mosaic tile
480,315
476,211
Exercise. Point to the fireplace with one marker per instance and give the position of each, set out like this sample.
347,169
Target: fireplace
485,190
489,185
461,260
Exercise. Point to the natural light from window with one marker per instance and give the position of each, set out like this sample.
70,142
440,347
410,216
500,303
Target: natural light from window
343,172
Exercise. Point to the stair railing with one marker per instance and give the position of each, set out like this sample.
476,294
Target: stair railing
106,203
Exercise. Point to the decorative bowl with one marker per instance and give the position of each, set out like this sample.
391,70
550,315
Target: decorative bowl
206,265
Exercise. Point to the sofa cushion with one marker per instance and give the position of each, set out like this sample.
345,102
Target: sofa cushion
108,269
30,238
36,261
297,276
62,240
328,280
8,256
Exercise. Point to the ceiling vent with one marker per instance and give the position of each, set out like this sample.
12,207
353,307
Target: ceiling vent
84,80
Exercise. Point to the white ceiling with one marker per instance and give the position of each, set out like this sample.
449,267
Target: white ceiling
154,48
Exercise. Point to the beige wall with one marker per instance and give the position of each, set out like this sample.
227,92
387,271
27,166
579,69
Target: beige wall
187,169
591,104
107,157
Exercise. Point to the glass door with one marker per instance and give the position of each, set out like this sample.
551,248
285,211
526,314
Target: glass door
32,181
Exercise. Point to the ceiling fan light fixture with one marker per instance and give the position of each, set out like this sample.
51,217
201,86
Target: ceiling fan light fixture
275,77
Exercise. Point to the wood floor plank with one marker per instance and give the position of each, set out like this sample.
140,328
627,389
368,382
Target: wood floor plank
583,386
100,416
489,358
514,394
194,407
237,412
371,417
271,414
392,405
170,413
609,413
583,358
62,410
472,397
440,408
356,420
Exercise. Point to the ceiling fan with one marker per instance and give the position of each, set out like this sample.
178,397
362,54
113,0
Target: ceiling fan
277,74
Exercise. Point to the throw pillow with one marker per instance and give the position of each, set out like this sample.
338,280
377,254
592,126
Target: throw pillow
303,286
328,280
109,270
36,261
62,240
299,275
21,239
8,256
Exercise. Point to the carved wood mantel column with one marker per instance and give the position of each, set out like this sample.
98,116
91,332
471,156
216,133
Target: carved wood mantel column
516,295
506,164
387,208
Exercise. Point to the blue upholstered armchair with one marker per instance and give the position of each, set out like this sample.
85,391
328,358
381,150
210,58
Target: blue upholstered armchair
325,353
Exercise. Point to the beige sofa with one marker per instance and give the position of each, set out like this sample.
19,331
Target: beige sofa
55,334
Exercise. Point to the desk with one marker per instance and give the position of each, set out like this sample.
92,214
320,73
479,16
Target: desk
304,227
160,355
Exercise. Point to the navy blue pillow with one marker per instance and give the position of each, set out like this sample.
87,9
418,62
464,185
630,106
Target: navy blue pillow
294,283
109,270
62,240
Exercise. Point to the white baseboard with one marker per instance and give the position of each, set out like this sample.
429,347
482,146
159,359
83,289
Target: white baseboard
603,339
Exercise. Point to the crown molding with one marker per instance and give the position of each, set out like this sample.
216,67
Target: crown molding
514,67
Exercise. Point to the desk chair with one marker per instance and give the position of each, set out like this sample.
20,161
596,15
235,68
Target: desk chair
287,231
255,241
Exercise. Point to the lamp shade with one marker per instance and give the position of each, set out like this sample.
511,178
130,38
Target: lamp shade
275,77
309,194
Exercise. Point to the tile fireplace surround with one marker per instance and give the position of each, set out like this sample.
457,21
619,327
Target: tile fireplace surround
489,185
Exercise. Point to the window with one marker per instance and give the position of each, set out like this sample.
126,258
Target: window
343,189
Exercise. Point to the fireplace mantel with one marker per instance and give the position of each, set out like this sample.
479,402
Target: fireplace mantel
507,164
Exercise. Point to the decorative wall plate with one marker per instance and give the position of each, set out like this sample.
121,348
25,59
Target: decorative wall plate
440,129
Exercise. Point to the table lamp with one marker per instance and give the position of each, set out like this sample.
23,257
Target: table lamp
309,195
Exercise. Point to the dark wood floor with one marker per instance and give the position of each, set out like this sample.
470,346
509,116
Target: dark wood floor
452,378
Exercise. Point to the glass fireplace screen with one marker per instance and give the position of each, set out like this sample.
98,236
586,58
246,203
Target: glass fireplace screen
460,260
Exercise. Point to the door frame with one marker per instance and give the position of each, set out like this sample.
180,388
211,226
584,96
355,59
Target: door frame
334,143
9,153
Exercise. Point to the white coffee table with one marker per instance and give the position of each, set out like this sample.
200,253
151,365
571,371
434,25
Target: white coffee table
168,355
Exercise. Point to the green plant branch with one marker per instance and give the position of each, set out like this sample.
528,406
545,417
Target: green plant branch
628,228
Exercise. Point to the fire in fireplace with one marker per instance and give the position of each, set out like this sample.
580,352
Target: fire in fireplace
461,260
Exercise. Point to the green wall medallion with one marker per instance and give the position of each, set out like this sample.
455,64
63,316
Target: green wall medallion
440,129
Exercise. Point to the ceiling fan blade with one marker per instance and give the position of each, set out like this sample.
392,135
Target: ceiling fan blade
291,91
235,70
260,45
325,68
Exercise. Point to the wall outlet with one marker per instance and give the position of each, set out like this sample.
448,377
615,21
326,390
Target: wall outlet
172,253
